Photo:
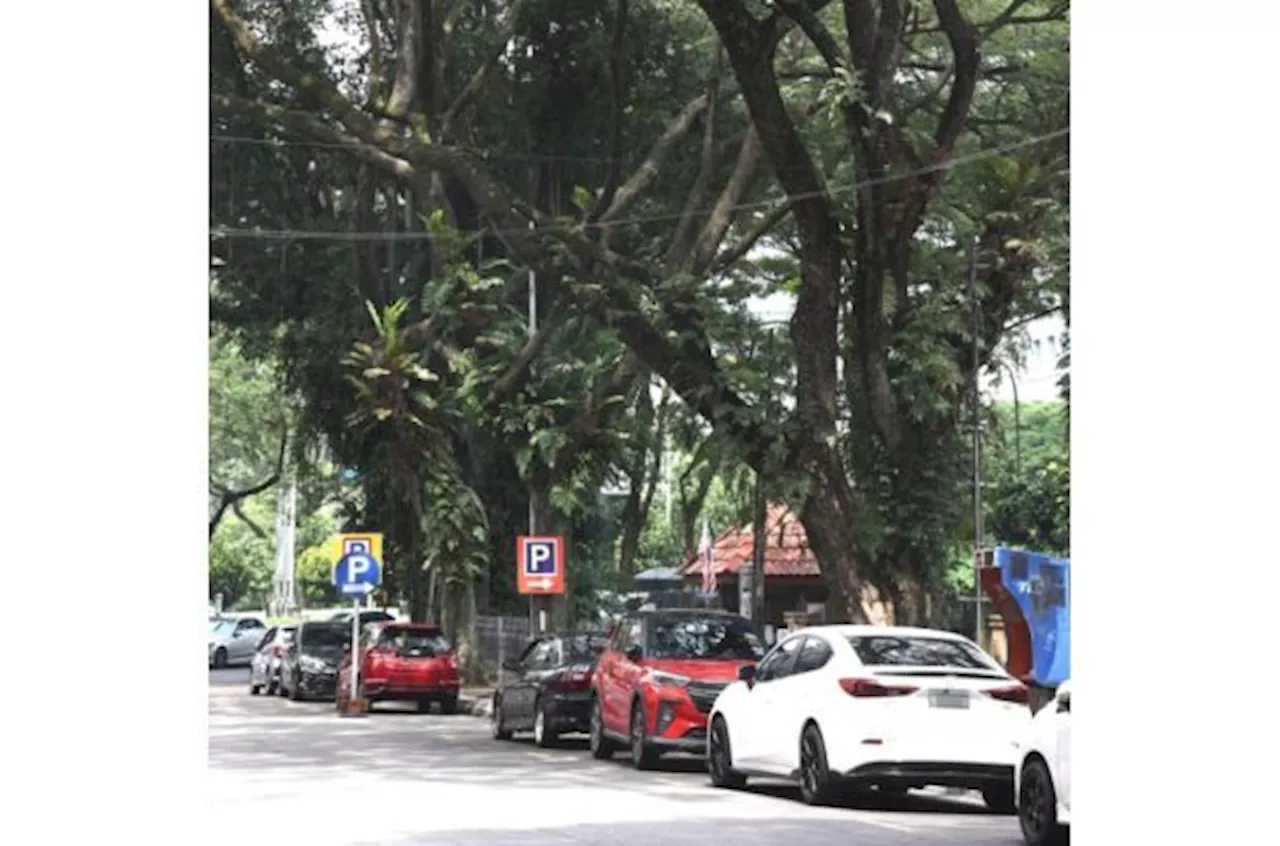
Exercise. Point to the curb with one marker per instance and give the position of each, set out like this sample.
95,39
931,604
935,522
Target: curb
477,704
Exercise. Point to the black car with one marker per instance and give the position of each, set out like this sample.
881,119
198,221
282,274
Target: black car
309,669
366,617
547,690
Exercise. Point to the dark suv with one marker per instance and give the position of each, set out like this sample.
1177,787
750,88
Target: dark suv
656,681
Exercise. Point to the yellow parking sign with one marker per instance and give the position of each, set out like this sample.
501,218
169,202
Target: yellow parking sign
345,544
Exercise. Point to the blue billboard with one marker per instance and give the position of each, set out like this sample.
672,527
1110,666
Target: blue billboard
1040,588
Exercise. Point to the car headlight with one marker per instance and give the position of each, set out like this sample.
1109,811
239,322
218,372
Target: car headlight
668,678
311,664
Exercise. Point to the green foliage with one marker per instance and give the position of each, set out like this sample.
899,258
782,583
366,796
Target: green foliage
1030,473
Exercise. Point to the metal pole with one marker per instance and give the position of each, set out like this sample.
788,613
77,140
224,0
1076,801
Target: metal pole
978,532
355,651
533,518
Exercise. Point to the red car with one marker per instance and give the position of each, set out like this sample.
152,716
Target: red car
655,683
404,662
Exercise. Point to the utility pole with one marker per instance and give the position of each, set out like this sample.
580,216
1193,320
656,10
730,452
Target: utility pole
536,619
976,405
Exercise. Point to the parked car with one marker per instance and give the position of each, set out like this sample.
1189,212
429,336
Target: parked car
264,669
309,667
892,708
1044,773
547,690
233,641
366,617
656,681
404,662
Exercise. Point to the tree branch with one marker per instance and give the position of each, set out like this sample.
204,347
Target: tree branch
745,170
532,348
253,527
229,498
617,112
404,88
680,244
477,81
766,224
806,18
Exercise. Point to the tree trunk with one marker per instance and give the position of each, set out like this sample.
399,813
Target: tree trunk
834,541
632,526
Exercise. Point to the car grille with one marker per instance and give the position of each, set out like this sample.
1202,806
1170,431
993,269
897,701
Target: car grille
704,694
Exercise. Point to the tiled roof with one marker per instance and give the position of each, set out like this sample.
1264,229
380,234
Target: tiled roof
787,551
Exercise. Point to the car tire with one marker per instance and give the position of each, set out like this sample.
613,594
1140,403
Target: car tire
273,686
720,758
817,786
1038,807
254,689
295,692
543,735
496,722
601,746
424,706
643,755
449,705
219,658
1000,799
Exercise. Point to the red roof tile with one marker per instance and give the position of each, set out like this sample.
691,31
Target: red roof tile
787,551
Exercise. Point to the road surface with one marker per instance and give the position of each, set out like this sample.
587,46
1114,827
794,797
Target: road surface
285,772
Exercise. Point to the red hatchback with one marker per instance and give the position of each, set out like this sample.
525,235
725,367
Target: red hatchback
656,682
404,662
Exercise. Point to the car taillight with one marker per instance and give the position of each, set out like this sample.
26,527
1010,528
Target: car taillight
572,680
1017,694
866,688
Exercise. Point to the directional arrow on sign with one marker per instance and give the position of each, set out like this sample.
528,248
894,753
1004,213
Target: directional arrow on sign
540,584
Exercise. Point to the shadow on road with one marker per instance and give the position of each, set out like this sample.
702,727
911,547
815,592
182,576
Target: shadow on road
700,832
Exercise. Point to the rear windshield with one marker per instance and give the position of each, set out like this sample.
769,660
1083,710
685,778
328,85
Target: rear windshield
918,651
321,636
584,647
418,643
723,638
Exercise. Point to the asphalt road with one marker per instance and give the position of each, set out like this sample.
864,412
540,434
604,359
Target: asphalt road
288,772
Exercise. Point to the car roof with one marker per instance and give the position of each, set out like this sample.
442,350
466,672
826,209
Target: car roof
687,612
405,624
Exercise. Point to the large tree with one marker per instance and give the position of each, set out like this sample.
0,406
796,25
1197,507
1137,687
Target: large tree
856,111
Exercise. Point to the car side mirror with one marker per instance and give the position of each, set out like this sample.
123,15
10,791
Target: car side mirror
747,673
634,654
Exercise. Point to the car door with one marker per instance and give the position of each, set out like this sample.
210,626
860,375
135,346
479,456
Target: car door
1062,778
792,702
750,734
615,702
516,700
259,664
244,640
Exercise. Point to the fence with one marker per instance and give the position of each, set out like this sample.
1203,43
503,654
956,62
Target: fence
499,639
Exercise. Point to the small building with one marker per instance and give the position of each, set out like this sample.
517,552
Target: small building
795,593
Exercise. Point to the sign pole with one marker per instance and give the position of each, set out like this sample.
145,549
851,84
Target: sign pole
355,650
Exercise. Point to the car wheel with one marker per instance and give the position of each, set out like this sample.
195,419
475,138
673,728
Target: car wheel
543,734
254,689
601,746
273,686
496,722
1038,807
449,705
295,690
424,706
219,658
1000,799
720,758
643,755
817,787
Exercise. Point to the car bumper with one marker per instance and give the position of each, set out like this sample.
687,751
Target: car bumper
318,685
570,712
933,773
693,742
410,692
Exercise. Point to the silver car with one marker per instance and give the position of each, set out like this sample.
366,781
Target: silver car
264,669
233,641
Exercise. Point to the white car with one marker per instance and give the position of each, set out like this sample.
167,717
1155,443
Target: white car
889,707
1043,784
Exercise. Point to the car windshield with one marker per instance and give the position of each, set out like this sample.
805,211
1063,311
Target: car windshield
421,643
584,648
222,627
324,637
703,637
918,651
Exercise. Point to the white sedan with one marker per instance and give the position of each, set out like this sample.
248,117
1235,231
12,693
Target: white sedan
888,707
1044,773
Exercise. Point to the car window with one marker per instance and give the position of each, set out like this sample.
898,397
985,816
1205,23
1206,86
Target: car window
583,648
325,636
814,653
248,625
694,636
414,643
919,651
266,639
222,627
777,664
541,658
527,655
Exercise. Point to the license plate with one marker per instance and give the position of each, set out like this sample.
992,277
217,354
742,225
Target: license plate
948,699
